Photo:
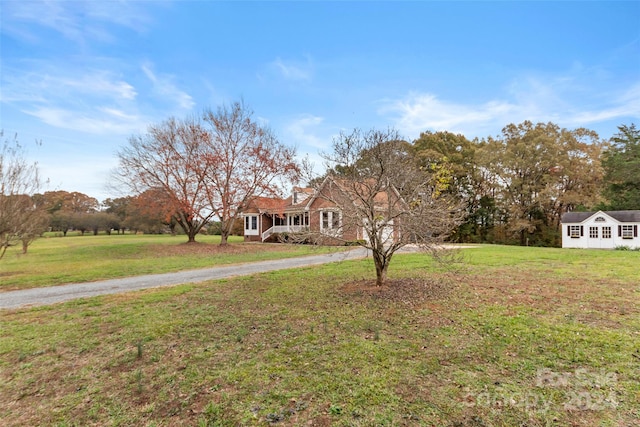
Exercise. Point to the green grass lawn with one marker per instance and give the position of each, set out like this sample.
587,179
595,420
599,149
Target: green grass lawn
58,260
515,337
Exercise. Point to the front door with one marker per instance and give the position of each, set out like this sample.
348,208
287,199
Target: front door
595,236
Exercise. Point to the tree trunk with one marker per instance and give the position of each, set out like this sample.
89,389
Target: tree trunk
225,232
382,264
381,275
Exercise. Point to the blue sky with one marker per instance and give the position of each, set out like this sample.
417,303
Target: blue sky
84,76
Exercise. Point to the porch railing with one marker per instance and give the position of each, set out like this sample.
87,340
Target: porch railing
283,229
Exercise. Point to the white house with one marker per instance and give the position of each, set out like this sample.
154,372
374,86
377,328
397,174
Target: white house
602,229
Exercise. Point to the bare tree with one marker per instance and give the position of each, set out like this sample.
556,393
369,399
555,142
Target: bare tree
385,198
248,161
205,170
21,221
171,159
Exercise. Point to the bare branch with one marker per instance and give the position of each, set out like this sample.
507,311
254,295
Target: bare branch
21,220
384,200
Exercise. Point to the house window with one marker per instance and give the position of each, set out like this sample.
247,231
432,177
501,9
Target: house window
606,232
600,219
335,220
329,220
627,232
250,222
575,231
593,232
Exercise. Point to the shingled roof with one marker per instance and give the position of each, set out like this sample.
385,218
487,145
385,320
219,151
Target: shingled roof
622,216
266,204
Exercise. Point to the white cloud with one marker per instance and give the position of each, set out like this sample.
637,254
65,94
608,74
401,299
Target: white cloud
293,70
95,84
78,21
96,121
420,112
94,101
164,87
626,104
563,101
42,83
301,131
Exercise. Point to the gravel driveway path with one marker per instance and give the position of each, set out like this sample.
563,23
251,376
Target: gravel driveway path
55,294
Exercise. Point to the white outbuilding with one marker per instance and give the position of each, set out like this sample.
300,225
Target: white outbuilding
601,230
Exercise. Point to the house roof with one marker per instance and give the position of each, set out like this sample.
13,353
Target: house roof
266,204
621,216
302,197
354,189
276,205
305,196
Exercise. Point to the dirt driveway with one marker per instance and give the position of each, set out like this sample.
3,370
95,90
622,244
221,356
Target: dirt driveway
55,294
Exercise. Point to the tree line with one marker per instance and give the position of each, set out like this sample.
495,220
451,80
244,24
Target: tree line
189,173
516,186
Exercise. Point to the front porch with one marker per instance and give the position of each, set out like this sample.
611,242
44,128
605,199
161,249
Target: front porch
259,227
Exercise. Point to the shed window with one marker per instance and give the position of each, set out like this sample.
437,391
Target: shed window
575,231
628,231
593,232
606,232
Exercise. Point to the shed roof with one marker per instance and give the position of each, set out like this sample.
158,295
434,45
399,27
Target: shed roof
621,216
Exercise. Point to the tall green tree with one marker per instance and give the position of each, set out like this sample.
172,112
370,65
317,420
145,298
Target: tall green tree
543,171
453,151
576,179
451,157
622,169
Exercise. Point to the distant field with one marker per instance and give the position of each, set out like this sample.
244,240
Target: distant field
512,337
57,260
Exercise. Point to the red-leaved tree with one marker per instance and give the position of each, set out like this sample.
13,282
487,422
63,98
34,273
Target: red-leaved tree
203,169
247,161
171,159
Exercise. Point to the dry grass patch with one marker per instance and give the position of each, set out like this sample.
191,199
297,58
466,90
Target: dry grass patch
408,291
198,248
320,346
56,261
